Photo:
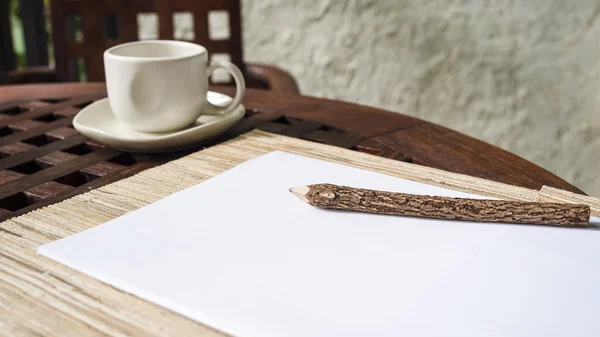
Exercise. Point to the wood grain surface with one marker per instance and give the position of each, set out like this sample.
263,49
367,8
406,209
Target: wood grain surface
377,131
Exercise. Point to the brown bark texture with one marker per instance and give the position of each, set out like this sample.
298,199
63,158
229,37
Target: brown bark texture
380,202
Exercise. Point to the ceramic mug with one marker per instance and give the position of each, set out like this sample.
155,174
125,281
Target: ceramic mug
161,86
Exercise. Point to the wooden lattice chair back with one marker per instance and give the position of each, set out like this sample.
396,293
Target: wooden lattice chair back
84,29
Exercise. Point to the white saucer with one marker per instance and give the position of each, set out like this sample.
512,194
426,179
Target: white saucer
97,122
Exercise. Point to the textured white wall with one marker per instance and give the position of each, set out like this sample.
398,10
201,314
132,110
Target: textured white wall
520,74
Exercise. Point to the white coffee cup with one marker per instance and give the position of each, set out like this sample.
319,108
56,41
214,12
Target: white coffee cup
161,86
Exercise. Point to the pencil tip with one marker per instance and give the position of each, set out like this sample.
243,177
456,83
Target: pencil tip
300,192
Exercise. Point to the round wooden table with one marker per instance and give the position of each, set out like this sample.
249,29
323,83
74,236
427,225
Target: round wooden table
38,145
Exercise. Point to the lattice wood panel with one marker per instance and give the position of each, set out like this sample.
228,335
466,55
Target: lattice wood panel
43,159
84,29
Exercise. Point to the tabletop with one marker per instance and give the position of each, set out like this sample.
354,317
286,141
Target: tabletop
44,160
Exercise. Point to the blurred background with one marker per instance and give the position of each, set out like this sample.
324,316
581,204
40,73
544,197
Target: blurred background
520,74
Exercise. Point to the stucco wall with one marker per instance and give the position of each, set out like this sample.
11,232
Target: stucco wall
520,74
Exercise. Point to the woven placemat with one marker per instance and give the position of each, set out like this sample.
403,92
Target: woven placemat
41,297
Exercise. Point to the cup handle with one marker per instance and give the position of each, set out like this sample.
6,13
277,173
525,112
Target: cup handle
240,86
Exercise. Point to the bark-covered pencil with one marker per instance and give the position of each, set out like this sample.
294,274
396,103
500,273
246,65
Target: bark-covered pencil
391,203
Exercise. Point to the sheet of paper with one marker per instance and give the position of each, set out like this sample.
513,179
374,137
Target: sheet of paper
241,254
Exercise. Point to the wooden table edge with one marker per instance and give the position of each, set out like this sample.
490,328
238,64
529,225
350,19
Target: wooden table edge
404,122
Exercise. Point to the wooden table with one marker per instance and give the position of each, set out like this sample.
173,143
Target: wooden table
44,160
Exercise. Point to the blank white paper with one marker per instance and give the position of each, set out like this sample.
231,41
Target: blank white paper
240,253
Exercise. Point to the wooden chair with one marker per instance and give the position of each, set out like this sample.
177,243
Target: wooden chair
83,29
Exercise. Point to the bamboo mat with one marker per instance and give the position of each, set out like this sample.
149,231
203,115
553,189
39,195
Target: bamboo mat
41,297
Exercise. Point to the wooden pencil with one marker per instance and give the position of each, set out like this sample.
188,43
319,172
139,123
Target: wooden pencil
391,203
